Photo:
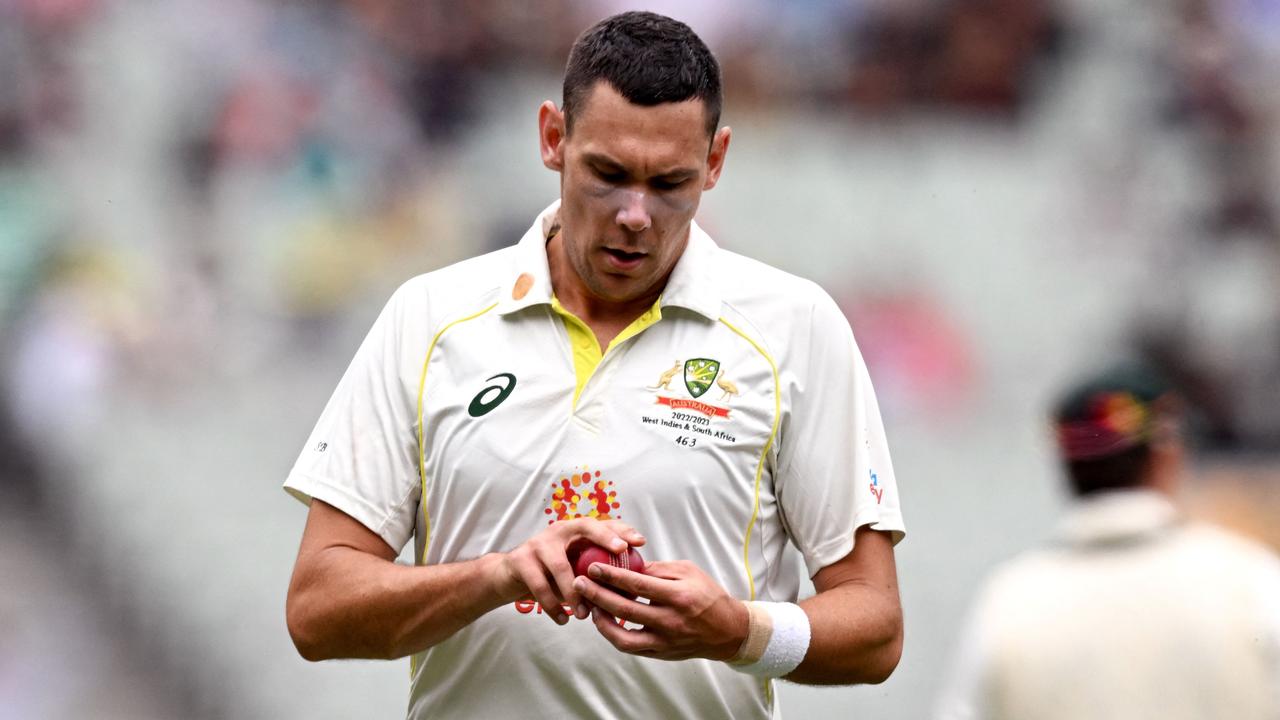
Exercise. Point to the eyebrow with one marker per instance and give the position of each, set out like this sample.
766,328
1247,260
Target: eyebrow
599,159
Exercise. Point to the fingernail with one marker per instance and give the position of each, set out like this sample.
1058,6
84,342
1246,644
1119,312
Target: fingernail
582,612
561,619
619,544
594,571
579,584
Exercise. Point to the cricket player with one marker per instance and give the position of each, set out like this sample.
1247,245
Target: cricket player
612,378
1131,611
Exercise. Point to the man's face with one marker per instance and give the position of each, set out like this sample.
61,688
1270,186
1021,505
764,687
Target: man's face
631,178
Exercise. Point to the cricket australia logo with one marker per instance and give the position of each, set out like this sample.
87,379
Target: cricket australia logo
700,375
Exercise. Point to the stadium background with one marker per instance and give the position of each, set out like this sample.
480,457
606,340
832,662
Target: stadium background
203,205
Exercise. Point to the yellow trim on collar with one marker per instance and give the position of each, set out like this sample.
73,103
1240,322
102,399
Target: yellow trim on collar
586,347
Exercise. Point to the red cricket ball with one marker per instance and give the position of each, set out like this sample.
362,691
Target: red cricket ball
582,556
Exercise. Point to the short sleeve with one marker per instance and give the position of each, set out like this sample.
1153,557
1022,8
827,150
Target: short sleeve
834,471
362,455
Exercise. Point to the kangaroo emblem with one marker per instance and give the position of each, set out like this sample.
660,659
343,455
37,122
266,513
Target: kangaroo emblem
730,390
664,382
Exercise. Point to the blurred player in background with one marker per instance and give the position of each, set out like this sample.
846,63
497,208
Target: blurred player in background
1131,611
613,373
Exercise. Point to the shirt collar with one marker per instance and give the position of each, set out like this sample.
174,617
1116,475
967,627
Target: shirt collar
530,280
1117,517
690,285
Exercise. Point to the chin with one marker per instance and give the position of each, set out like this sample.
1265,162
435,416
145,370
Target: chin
619,292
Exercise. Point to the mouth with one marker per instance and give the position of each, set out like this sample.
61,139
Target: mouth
622,259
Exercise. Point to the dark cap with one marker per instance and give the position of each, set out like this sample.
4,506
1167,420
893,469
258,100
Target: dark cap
1113,412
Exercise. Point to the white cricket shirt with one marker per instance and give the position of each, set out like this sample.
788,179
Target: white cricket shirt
1132,613
732,422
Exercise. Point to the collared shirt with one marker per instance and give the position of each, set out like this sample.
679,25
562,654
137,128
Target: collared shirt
731,424
1117,518
1130,612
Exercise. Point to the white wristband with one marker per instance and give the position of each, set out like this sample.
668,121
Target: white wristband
787,644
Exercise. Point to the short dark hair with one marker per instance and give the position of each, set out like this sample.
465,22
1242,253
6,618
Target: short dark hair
649,59
1123,471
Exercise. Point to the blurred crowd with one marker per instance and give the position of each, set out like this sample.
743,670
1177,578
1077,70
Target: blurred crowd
1218,331
168,168
192,189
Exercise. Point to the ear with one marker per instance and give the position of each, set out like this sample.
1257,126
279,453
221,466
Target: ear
551,135
715,157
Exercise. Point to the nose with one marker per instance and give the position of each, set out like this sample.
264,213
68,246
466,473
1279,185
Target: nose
633,215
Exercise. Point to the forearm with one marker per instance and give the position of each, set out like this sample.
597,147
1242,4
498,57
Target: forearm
345,603
855,636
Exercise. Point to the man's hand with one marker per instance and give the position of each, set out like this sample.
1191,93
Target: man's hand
855,617
688,615
540,567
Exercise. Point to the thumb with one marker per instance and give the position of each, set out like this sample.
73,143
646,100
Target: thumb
665,570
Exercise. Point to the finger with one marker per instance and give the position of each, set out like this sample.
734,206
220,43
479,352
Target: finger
656,589
542,591
602,534
554,560
617,605
633,537
635,642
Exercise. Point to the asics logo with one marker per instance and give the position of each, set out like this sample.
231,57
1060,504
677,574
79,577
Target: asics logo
492,395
